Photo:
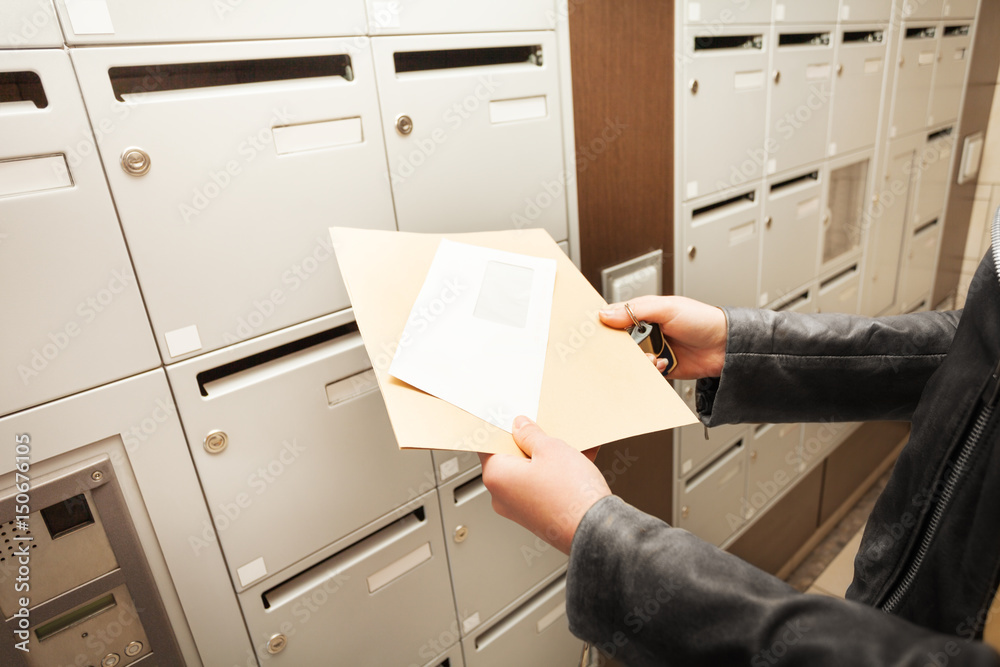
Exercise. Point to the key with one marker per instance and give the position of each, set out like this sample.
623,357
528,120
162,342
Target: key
650,340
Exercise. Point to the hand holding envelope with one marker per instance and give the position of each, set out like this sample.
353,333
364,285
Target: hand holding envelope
508,333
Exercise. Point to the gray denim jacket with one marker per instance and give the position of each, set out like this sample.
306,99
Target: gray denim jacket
929,561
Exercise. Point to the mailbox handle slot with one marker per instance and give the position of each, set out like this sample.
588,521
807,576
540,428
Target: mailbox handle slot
725,205
709,469
865,36
722,42
804,39
956,30
940,134
924,227
450,59
921,33
22,87
275,361
344,559
793,302
804,179
190,76
466,492
532,605
846,274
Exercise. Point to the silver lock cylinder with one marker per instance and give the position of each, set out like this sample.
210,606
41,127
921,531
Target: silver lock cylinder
135,161
404,124
277,643
133,649
461,532
216,441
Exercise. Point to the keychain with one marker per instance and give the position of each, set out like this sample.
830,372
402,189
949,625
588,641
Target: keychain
650,339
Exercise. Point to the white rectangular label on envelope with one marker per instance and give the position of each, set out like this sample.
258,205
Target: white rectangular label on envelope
477,333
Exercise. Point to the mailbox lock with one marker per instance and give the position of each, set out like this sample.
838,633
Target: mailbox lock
693,86
216,441
840,69
135,161
689,392
97,475
133,649
692,251
685,512
404,125
777,76
277,643
110,660
753,456
461,532
767,222
902,61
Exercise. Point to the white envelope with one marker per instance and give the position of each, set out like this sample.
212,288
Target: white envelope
477,333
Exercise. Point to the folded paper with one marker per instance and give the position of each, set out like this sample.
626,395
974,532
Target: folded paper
597,385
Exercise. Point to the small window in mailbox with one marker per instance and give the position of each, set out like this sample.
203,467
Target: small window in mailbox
22,87
185,76
68,515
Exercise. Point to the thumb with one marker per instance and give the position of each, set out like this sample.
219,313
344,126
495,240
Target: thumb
528,435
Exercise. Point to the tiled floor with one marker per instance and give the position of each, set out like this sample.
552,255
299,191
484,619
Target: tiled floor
829,569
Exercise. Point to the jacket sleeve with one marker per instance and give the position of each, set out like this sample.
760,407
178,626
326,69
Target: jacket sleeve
792,367
649,594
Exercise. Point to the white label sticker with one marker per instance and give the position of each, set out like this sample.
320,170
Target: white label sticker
873,65
686,467
449,468
819,71
694,11
807,207
252,571
182,341
833,148
845,13
692,189
524,108
959,54
90,17
772,166
36,174
748,80
763,300
393,571
925,58
470,623
779,12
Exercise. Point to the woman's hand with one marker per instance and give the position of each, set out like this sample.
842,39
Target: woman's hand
696,331
549,492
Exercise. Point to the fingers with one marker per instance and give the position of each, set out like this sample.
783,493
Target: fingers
527,435
649,308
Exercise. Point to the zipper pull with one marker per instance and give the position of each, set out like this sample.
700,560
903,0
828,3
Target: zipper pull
996,386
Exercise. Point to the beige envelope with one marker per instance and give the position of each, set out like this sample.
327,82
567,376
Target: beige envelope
597,386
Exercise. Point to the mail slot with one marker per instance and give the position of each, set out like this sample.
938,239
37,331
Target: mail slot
443,16
912,96
888,220
379,596
494,562
791,233
721,234
819,11
860,71
801,302
724,69
229,163
847,202
76,297
918,266
773,463
136,21
864,11
535,633
801,86
949,73
29,24
711,503
474,121
721,12
838,293
933,164
695,443
269,443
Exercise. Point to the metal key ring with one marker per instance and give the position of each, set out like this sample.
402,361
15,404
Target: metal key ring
628,309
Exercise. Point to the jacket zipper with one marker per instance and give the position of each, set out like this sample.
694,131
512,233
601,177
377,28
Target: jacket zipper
968,449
